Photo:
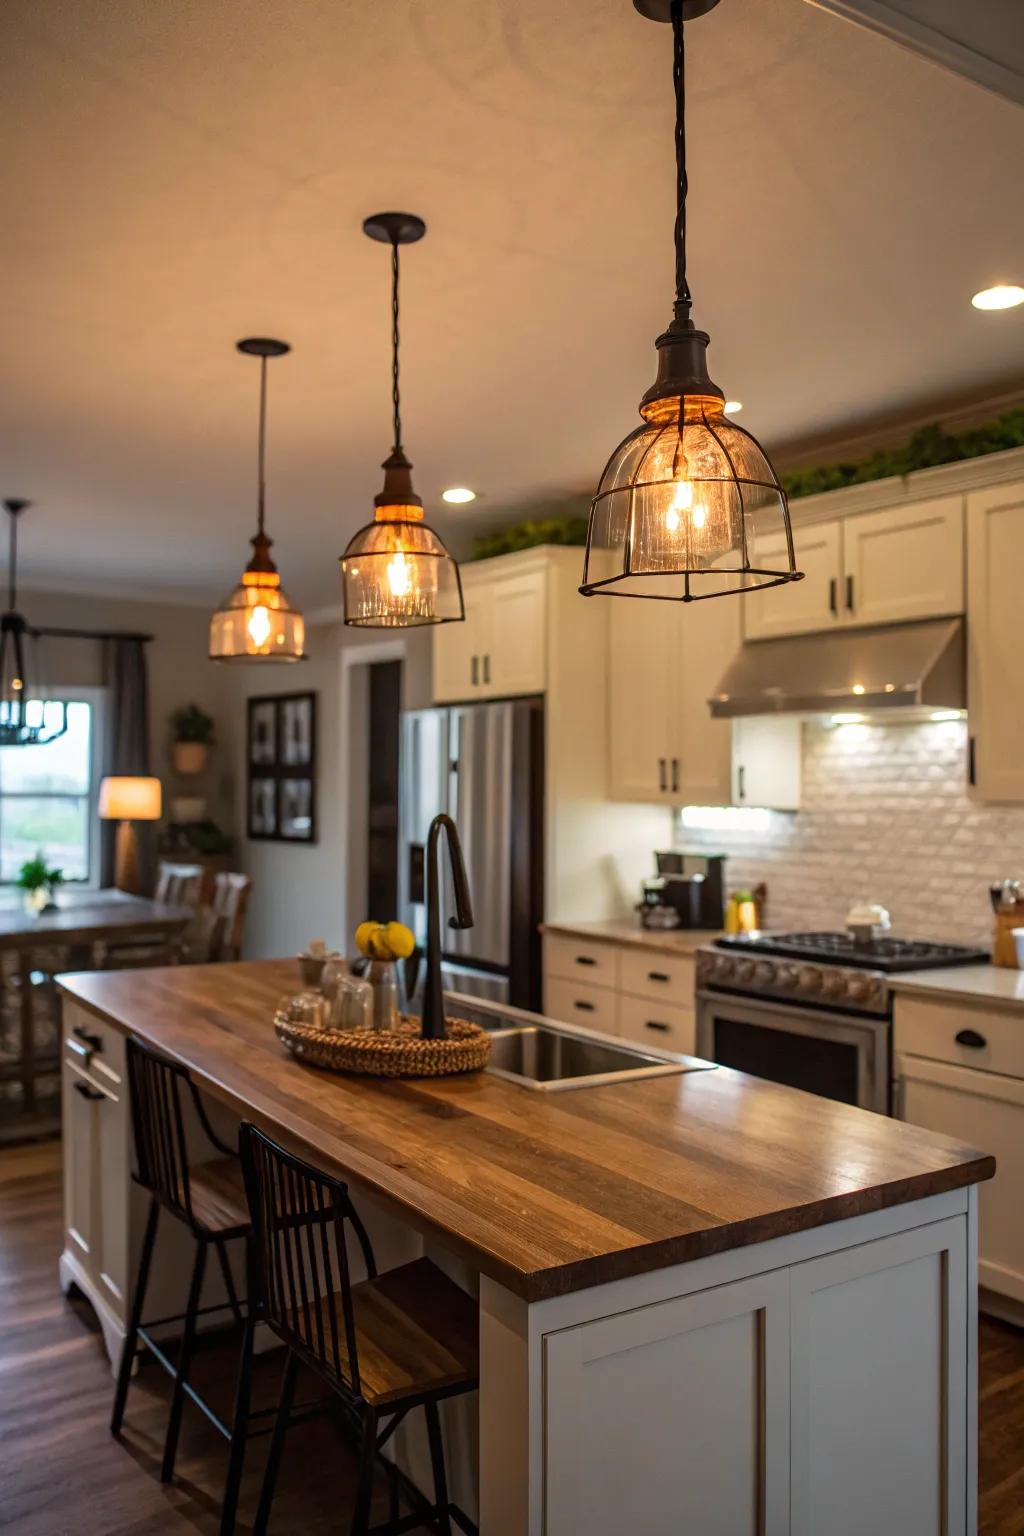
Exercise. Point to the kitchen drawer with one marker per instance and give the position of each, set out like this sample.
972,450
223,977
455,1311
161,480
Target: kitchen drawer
93,1049
664,978
994,1037
581,960
669,1026
575,1002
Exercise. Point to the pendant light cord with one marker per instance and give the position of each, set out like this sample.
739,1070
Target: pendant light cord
261,454
679,87
396,407
12,582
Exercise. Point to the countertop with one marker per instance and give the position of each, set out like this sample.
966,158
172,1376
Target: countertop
627,930
546,1193
992,984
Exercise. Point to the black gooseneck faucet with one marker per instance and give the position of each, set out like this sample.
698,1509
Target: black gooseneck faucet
433,1025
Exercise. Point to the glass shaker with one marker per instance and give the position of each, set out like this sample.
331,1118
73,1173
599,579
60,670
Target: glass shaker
383,978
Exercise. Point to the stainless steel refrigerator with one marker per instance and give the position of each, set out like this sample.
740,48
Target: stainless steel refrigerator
484,765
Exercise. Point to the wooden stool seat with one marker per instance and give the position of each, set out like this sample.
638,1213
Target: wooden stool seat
218,1197
416,1332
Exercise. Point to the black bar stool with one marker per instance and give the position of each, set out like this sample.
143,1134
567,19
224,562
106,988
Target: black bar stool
388,1344
209,1198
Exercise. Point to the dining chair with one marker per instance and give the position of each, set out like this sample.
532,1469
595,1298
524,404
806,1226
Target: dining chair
230,905
384,1345
209,1199
177,885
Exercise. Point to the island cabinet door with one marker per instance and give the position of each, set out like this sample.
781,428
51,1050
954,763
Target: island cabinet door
672,1418
880,1433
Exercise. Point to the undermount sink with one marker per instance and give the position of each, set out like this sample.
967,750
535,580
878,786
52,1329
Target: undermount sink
547,1059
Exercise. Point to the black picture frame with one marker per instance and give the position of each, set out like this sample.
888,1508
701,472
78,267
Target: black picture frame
281,764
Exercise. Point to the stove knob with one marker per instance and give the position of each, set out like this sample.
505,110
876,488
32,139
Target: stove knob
722,969
831,984
745,972
809,979
787,977
764,973
857,989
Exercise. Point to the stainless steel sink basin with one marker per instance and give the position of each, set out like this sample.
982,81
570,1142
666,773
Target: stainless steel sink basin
538,1056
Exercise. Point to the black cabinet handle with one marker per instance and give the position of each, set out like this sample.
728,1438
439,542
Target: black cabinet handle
92,1041
487,668
741,782
849,593
656,1024
833,598
474,671
585,960
658,976
675,775
661,774
970,1037
87,1092
972,774
584,1007
80,1048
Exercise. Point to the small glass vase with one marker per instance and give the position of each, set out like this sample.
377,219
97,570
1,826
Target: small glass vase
383,978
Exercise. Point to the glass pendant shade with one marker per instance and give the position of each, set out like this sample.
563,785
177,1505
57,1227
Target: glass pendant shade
396,573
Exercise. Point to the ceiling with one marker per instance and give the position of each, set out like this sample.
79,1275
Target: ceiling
182,174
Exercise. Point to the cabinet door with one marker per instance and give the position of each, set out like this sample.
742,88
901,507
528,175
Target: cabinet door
904,563
513,636
800,607
709,634
633,1445
766,762
986,1110
457,648
642,637
995,675
81,1129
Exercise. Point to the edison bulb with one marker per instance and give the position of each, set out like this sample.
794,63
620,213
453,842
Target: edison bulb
258,625
399,578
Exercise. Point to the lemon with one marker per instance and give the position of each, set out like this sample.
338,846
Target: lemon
399,940
364,938
379,948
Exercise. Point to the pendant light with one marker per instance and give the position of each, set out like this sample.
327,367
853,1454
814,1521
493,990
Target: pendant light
257,621
689,505
27,719
396,572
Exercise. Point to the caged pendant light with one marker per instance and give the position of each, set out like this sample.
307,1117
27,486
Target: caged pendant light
396,572
27,718
257,622
689,505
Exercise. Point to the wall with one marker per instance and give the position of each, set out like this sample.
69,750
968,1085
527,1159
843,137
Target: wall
885,817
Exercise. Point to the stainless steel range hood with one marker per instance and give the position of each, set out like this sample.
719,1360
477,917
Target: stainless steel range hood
893,666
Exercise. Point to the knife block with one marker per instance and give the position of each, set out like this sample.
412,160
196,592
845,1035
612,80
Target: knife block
1004,951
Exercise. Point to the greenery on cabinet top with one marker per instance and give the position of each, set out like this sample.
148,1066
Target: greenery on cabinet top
928,447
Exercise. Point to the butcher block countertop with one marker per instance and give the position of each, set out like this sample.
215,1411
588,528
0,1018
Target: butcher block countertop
627,930
545,1193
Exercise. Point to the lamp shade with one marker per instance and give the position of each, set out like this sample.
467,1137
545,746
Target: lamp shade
257,623
397,574
130,799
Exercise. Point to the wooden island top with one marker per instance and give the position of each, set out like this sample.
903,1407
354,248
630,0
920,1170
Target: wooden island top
545,1193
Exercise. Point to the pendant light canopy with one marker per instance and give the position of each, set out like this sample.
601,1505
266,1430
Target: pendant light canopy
396,572
27,718
257,622
689,505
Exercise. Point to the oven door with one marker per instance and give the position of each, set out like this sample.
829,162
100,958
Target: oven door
841,1056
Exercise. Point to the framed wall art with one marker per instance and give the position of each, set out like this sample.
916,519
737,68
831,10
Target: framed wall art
281,764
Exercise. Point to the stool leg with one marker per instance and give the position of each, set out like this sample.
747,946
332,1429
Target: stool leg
284,1413
239,1431
184,1361
229,1283
437,1462
124,1374
364,1491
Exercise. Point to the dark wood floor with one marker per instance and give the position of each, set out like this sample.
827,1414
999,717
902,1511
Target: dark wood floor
62,1475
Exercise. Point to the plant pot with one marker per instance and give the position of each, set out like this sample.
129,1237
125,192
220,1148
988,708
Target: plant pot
190,757
38,900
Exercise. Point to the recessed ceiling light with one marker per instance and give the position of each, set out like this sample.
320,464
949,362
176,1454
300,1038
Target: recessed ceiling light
1002,296
858,688
732,406
458,494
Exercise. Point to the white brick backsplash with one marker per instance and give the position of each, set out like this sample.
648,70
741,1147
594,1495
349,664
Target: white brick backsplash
885,817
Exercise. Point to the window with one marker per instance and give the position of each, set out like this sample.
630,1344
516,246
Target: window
47,800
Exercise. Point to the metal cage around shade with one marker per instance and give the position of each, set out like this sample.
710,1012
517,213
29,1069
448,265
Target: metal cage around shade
688,507
397,573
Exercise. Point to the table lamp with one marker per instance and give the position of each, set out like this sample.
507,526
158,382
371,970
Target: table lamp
127,800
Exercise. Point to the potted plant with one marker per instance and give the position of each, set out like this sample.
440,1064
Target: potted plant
38,883
193,732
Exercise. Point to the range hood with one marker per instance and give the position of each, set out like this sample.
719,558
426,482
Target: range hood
893,666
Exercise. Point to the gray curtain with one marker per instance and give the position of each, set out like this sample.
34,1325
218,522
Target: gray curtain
127,747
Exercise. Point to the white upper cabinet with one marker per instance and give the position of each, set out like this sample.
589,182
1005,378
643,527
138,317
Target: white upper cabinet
767,762
905,562
799,607
501,649
995,674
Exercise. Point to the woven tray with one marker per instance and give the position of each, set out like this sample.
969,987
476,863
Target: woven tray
388,1053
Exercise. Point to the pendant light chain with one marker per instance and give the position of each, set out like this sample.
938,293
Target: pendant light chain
395,393
679,88
12,585
261,471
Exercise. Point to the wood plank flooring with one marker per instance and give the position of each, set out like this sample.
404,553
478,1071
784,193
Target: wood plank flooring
61,1474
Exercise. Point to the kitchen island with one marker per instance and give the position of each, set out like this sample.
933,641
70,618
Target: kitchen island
707,1303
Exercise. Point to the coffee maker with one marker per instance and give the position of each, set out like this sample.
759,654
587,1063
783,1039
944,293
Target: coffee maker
687,892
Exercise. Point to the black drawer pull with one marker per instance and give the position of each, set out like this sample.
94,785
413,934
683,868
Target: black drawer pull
972,1038
658,976
585,960
87,1092
584,1007
662,1029
92,1041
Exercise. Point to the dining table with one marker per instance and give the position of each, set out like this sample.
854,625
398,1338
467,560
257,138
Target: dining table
78,919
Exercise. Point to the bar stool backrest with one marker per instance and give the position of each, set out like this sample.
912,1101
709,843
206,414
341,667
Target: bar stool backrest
155,1084
301,1273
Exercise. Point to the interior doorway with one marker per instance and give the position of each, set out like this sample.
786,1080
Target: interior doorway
382,784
